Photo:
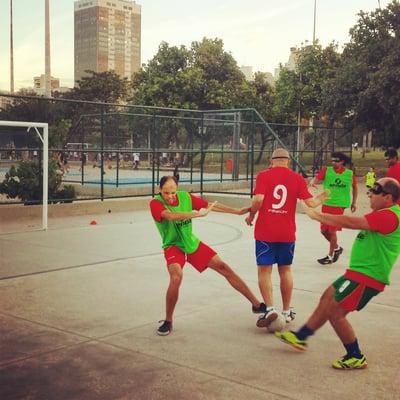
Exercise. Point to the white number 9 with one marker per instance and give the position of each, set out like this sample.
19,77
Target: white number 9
280,194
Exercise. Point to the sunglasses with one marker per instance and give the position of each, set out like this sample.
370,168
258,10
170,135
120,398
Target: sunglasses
377,188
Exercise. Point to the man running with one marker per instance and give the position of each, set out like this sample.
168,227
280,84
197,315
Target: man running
173,211
342,185
374,252
275,198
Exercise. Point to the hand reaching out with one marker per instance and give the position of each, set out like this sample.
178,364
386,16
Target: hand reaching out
205,211
323,196
249,220
310,211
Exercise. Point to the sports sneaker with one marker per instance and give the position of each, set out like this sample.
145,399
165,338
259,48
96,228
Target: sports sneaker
164,329
261,309
289,315
326,260
336,254
265,319
350,362
289,337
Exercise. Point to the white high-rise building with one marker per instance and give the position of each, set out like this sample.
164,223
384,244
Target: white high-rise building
107,37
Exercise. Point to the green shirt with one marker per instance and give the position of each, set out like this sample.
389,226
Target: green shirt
374,254
370,179
178,233
340,187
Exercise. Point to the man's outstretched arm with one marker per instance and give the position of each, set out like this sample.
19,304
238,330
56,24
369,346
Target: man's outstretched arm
342,221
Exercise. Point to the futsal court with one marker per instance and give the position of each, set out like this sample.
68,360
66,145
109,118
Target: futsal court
81,304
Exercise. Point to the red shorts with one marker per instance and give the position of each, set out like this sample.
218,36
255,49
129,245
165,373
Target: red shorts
334,211
199,259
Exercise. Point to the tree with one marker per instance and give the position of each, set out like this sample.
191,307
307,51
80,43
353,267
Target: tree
106,87
367,87
203,77
24,182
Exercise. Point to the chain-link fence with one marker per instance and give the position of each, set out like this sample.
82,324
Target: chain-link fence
100,150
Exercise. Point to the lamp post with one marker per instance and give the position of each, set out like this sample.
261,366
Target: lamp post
47,50
11,49
315,18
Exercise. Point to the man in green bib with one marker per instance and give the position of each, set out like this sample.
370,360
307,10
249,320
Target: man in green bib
342,184
374,253
173,211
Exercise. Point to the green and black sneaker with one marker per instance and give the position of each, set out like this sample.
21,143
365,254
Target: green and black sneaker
290,337
350,362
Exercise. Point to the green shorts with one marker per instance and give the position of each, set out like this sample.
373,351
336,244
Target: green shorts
353,295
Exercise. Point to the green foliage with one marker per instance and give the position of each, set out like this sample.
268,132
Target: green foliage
202,77
59,132
287,96
367,89
107,87
24,182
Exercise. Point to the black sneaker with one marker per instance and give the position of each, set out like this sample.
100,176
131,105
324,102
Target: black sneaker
164,329
336,254
261,309
325,261
264,320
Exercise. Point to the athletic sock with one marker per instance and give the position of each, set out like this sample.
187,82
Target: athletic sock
269,308
353,350
304,332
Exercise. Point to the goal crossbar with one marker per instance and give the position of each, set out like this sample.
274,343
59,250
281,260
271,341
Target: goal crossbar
45,140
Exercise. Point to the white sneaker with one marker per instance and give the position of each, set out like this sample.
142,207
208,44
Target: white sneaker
265,319
289,315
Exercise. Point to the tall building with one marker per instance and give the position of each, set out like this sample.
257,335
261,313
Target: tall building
292,62
107,37
39,85
247,71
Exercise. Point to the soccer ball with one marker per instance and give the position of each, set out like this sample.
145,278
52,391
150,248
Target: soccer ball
277,325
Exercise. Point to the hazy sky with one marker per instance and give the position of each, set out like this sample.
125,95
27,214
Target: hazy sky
257,32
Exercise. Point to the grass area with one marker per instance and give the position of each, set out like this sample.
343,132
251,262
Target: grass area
374,159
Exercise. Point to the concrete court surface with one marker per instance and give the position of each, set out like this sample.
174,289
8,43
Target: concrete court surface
80,305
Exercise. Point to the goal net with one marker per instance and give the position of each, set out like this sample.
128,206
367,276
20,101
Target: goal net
24,156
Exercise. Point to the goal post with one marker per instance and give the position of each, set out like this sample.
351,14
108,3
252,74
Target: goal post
44,138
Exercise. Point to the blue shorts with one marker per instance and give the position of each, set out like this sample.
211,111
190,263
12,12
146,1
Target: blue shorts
268,253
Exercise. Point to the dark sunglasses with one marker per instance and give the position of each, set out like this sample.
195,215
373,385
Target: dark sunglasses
377,188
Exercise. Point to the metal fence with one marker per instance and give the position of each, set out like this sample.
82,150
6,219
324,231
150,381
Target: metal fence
101,150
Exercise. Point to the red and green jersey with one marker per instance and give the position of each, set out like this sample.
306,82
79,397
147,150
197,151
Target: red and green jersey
339,185
178,233
374,253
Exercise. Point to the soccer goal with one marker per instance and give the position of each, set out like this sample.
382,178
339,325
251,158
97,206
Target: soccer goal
42,132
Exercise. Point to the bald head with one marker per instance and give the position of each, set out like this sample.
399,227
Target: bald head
387,186
391,186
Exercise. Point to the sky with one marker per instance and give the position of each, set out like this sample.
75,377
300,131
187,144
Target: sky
258,33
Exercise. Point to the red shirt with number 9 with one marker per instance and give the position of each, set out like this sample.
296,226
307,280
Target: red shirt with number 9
281,188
